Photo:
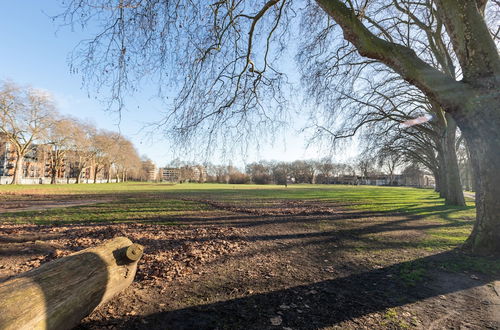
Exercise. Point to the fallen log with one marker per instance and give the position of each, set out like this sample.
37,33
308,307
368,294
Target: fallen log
60,293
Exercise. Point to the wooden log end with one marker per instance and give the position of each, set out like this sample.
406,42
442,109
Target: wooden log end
134,252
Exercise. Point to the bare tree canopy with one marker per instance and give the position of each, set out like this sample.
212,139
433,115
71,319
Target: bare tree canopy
25,116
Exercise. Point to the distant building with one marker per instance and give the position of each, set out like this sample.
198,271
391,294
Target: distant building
7,158
383,180
153,173
199,173
36,166
186,173
415,177
170,174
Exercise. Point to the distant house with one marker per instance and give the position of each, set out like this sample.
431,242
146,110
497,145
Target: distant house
37,165
347,179
170,174
34,167
186,173
153,173
7,158
383,180
415,177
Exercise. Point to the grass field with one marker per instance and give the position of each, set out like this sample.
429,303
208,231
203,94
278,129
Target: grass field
162,203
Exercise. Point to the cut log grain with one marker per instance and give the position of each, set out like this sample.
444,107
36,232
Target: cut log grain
60,293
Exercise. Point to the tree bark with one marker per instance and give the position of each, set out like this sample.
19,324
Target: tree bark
96,170
454,193
471,185
18,169
443,178
435,84
483,137
78,175
437,179
53,174
60,293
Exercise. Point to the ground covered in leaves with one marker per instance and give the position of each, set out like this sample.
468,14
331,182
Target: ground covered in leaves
222,261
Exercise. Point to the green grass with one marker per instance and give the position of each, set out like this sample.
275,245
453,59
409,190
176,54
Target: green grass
393,320
160,203
412,273
126,210
474,264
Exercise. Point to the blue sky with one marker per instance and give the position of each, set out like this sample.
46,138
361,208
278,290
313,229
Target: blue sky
35,52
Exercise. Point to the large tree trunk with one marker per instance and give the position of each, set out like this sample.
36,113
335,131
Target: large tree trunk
96,170
454,193
60,293
483,138
53,174
79,175
437,179
471,185
18,169
443,182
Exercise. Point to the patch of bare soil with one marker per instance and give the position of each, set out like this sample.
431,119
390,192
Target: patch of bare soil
270,269
286,207
171,252
41,205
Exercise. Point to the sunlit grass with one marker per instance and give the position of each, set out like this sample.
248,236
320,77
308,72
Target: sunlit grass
161,203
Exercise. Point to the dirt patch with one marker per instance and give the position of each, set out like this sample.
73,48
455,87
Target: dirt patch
42,205
170,252
275,208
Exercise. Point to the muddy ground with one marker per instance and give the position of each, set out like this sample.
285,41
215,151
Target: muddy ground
283,265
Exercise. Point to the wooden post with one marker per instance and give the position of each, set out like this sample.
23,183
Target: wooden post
60,293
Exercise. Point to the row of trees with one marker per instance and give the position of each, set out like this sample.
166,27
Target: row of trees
30,122
322,171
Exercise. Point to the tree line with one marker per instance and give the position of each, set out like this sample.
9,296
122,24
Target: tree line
323,171
35,130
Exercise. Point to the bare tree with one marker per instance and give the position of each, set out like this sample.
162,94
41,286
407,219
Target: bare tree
389,160
25,116
260,172
226,54
365,167
147,166
281,173
60,140
81,151
325,169
302,171
102,144
469,101
376,112
126,159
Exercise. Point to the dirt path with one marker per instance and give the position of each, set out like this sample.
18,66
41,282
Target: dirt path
277,267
